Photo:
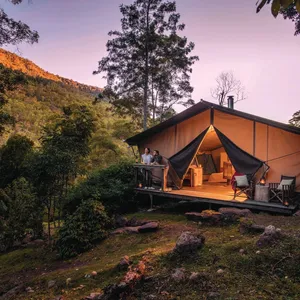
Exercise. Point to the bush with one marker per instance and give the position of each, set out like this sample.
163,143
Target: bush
83,229
114,186
20,211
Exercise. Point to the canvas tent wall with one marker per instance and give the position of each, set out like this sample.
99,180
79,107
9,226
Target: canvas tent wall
275,143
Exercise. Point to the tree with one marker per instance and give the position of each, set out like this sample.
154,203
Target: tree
290,9
148,64
13,159
9,80
227,85
295,119
14,32
23,212
64,143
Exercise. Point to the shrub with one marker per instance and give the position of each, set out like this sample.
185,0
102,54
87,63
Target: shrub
21,211
114,186
83,229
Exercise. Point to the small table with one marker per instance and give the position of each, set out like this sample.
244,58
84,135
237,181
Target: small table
261,193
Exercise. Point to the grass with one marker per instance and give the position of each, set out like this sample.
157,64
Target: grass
272,274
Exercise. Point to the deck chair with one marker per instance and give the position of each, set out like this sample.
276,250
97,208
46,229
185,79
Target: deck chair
243,184
284,191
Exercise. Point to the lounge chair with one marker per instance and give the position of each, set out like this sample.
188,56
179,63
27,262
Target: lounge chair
284,191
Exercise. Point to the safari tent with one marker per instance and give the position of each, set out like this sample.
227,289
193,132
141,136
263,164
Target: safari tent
227,138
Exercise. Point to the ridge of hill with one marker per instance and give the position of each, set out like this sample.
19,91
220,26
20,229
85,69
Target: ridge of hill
15,62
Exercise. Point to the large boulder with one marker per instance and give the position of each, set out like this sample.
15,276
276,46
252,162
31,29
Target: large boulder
188,244
232,215
248,226
270,236
148,227
207,216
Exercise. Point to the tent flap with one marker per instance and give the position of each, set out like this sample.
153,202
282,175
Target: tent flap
242,161
180,161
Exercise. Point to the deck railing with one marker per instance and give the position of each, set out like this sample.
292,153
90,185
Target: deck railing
151,176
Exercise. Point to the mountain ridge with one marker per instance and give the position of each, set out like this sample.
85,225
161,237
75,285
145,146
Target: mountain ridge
15,62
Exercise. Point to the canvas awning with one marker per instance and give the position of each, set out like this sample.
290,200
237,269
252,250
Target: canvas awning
242,161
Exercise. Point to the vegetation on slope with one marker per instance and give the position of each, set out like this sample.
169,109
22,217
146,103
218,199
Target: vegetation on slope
41,100
270,274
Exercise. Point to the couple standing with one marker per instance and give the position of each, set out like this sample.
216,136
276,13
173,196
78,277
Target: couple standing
148,158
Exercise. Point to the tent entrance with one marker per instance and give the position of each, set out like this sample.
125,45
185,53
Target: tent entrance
210,158
211,164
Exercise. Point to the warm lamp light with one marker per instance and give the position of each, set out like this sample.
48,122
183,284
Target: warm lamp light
262,181
140,185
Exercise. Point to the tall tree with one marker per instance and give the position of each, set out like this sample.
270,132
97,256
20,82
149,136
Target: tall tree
227,85
148,64
14,32
290,9
64,144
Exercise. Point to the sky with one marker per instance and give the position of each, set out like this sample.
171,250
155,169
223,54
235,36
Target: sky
262,51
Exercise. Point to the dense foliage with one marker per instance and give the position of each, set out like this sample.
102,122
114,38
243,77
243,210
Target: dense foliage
148,64
112,186
14,156
20,211
40,100
83,229
295,120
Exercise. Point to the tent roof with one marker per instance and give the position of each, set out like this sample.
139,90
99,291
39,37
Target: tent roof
199,108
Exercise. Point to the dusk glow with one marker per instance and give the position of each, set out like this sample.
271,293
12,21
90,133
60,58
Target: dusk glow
261,51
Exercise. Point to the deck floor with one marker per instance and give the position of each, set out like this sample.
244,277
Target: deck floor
219,194
210,191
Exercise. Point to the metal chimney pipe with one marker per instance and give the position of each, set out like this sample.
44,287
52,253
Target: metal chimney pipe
230,101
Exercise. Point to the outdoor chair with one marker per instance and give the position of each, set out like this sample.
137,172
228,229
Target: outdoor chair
284,191
243,184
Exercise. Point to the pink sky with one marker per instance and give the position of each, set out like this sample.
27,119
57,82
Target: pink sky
261,51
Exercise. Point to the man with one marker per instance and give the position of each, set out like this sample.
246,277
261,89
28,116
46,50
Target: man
147,157
157,158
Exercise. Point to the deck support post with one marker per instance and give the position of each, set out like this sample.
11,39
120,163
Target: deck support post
151,201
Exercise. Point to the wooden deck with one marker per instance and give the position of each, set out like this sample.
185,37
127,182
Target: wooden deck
218,194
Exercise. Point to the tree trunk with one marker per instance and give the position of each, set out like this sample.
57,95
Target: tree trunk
49,227
145,100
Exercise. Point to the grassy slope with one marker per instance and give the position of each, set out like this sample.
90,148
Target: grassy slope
272,274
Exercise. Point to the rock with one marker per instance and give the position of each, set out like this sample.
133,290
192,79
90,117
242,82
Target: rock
120,221
194,276
248,226
151,297
188,244
210,217
178,275
269,237
193,216
220,271
38,242
94,274
68,281
213,295
60,297
133,222
27,239
124,263
126,230
51,284
242,251
149,227
257,252
29,290
232,215
94,296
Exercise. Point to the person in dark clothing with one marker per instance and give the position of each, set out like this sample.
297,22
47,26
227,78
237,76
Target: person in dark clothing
157,158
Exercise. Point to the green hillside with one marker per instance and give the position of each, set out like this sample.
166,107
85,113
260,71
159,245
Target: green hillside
41,99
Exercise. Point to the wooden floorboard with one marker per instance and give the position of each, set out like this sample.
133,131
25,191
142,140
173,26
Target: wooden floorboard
219,195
